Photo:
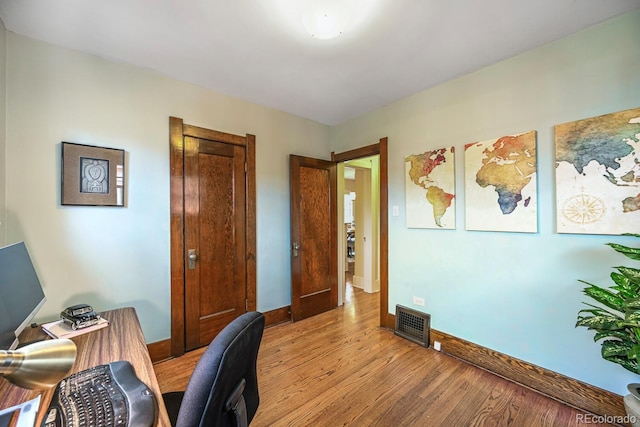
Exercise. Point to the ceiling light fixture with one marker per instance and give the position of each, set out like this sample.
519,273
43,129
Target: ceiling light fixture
326,20
322,19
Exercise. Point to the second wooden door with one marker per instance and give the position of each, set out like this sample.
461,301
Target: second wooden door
314,270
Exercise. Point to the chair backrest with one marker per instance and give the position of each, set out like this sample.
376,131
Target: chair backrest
230,358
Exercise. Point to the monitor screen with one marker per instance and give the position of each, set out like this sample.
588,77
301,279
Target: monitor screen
21,295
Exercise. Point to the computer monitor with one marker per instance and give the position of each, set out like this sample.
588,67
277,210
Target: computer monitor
21,294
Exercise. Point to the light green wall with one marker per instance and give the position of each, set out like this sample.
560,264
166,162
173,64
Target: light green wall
113,257
3,67
513,292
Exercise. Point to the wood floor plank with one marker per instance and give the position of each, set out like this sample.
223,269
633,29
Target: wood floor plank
340,369
494,410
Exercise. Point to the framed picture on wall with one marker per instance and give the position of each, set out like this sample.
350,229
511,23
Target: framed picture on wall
92,176
598,174
501,187
430,189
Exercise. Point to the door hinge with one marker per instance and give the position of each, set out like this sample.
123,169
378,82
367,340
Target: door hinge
246,304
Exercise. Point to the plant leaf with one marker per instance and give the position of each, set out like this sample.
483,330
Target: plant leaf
605,297
632,304
600,323
596,307
634,352
633,274
622,281
616,348
620,334
632,253
632,318
625,287
598,311
628,364
593,312
622,354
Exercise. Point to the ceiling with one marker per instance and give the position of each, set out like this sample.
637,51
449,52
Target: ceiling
258,50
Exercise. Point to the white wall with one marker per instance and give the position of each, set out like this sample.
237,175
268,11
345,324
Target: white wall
114,257
516,293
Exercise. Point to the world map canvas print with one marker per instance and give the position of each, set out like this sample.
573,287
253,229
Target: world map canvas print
598,174
430,189
501,184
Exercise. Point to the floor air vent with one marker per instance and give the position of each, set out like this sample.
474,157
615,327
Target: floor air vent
412,325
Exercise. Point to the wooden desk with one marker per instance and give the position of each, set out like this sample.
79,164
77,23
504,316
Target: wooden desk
121,340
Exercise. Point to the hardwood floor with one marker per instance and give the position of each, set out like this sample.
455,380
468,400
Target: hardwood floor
339,368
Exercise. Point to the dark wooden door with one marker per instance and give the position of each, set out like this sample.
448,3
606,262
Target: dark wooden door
215,273
314,269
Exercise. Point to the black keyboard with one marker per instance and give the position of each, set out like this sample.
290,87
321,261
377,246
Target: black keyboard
102,396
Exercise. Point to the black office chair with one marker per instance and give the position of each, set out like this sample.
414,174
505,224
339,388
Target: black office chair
223,388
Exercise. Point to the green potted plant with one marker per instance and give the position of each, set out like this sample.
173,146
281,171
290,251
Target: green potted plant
617,321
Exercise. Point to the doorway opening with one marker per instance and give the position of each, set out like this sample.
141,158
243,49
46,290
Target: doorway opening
358,218
379,152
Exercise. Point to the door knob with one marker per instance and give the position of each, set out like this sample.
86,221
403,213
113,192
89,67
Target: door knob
192,257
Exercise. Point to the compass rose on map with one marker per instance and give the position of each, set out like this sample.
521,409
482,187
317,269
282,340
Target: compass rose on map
583,209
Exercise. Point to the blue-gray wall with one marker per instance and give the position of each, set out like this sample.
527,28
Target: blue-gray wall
516,293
